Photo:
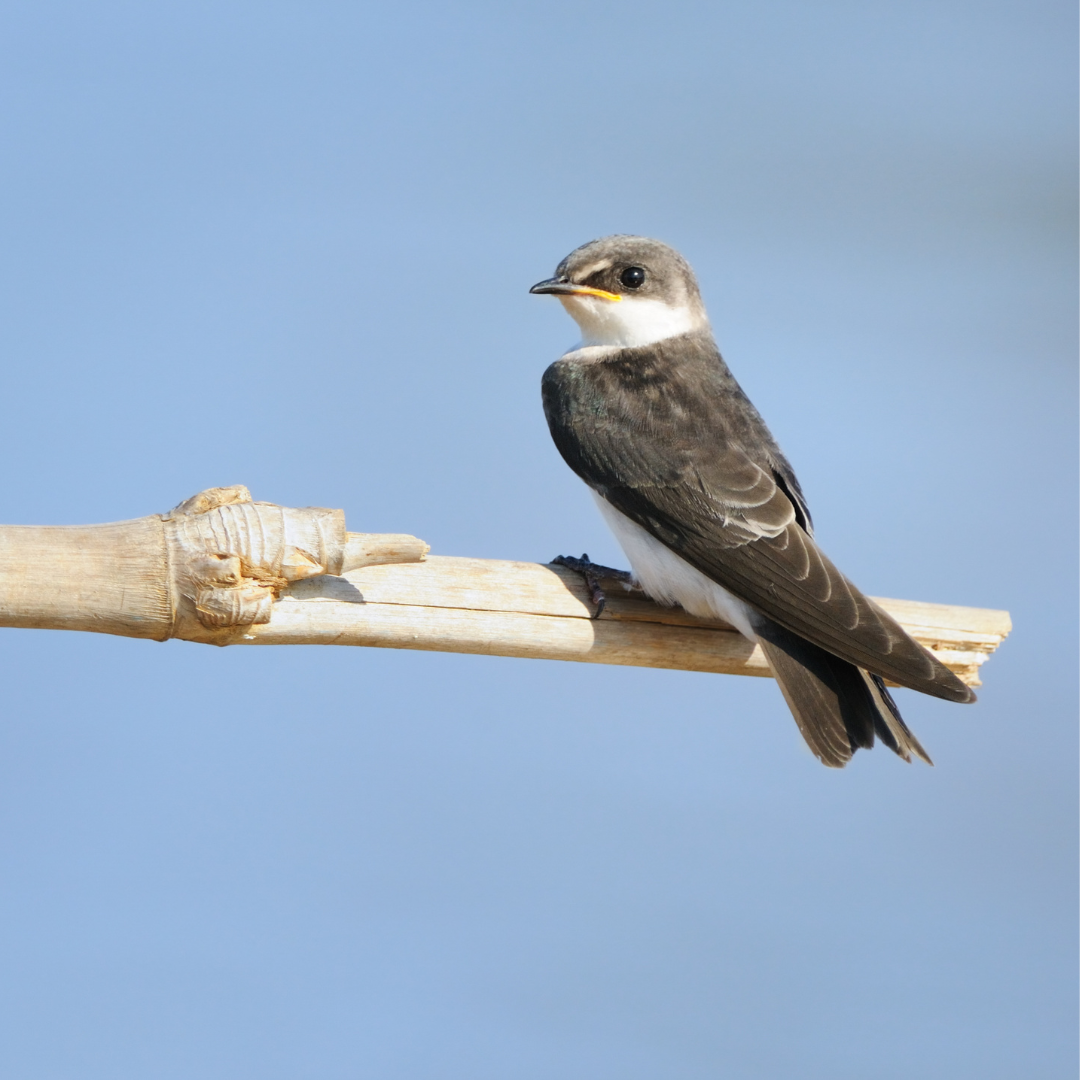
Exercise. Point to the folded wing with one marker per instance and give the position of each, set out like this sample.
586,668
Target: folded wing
672,442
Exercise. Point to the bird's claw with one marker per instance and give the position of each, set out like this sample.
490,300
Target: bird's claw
592,573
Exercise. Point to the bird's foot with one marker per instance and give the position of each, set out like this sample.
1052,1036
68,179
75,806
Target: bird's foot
592,573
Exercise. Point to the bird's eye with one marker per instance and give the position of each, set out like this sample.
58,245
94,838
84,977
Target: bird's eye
633,277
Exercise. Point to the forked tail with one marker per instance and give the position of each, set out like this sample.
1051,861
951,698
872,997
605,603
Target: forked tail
839,707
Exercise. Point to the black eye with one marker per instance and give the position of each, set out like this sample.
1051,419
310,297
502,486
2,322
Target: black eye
633,277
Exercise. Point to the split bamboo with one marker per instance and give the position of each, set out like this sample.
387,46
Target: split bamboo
225,570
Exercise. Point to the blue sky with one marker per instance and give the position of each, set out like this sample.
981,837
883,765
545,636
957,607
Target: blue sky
289,246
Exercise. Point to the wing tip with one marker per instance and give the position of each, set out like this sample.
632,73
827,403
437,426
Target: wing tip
957,691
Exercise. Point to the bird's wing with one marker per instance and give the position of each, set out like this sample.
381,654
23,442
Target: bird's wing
728,512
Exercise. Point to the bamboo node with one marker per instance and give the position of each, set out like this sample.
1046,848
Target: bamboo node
231,557
209,499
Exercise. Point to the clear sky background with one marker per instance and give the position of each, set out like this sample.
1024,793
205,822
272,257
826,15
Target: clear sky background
289,245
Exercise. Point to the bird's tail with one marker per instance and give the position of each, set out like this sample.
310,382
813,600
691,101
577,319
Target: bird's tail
839,707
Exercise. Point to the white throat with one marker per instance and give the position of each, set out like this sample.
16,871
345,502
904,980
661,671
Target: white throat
630,322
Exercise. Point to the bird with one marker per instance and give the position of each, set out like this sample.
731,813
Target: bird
706,507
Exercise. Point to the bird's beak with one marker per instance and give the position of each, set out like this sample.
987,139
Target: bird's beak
562,287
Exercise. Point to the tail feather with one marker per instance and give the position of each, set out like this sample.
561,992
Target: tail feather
838,707
889,724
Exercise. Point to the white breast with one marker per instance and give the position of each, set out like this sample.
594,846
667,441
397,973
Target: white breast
669,579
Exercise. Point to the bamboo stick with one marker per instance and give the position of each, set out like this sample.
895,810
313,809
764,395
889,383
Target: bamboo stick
224,570
216,562
543,611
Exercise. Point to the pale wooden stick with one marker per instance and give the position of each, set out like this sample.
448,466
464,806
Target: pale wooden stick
535,610
108,578
215,563
224,570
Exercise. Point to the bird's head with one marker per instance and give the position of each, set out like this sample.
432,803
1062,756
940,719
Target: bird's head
627,291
